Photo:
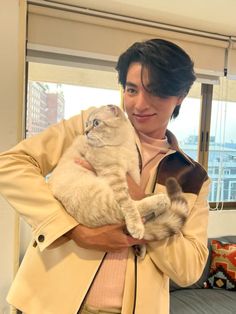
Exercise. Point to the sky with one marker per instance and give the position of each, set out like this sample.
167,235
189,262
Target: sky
78,98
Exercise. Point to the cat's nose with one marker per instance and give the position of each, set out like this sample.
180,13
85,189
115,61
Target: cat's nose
88,129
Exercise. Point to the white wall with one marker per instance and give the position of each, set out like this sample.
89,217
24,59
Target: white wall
9,73
222,222
9,135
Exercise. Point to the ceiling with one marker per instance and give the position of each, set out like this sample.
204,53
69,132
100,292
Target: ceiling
214,16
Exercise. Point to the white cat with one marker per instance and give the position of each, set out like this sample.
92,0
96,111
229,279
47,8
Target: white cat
101,197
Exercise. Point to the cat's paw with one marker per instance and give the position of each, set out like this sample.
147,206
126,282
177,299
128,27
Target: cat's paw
157,204
136,230
160,203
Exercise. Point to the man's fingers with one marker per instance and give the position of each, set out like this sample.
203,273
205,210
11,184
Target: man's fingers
84,163
132,241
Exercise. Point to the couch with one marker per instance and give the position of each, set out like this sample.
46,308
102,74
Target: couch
197,299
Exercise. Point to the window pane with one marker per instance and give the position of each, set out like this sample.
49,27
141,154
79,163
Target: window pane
222,150
186,125
48,102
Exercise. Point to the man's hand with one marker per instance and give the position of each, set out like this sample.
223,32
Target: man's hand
84,163
109,238
135,191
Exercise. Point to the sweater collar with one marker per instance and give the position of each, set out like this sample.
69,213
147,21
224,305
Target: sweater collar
174,145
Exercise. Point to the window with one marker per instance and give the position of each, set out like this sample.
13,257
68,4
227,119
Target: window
217,190
215,145
222,146
48,102
205,127
186,125
232,191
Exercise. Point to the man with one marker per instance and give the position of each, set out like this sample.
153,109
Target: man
96,272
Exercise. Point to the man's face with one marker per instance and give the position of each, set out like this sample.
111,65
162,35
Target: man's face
149,114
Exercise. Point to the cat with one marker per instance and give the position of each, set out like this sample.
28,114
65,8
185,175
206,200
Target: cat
101,197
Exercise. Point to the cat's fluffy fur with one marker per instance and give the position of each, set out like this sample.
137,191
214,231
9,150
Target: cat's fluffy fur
101,197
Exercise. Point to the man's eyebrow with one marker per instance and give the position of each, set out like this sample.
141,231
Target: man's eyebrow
130,84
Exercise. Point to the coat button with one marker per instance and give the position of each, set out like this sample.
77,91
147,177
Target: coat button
41,238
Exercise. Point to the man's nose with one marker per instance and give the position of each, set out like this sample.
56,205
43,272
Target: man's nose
141,101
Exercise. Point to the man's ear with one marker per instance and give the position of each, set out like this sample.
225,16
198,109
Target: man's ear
180,100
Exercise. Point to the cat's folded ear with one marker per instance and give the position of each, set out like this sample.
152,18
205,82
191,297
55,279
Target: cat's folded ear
117,111
114,109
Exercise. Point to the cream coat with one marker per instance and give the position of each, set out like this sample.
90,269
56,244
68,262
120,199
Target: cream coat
55,274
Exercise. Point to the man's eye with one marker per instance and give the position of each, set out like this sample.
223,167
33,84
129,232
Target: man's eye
96,122
130,90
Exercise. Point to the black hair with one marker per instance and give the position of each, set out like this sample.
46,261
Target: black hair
170,68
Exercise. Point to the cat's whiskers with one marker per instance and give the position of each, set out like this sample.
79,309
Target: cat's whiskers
97,138
101,140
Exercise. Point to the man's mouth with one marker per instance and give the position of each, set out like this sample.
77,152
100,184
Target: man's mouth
143,117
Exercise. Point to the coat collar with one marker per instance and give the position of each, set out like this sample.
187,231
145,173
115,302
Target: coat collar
172,140
174,145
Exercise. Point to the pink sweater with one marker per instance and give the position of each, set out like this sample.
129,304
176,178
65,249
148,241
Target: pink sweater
107,289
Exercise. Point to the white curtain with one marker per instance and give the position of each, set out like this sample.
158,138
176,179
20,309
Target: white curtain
75,33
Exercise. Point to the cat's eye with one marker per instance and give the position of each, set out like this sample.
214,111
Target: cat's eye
96,122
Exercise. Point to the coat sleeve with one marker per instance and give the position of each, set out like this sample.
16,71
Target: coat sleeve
22,181
182,257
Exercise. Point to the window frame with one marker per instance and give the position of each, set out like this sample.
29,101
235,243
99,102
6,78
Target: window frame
204,122
204,143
